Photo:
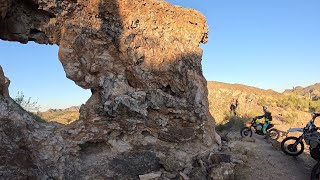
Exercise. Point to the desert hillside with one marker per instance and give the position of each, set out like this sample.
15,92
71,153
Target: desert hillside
312,91
287,108
63,116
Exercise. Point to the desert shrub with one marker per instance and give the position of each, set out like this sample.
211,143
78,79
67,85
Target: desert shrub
315,106
26,102
268,101
28,105
37,118
232,122
248,116
293,101
291,117
262,101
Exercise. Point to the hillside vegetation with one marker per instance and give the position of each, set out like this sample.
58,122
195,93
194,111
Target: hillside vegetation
63,116
288,108
312,92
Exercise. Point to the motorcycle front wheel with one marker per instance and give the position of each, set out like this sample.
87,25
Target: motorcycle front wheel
288,147
246,132
315,174
274,134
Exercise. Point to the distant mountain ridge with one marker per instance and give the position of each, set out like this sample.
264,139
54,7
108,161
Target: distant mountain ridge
312,91
72,108
240,87
64,116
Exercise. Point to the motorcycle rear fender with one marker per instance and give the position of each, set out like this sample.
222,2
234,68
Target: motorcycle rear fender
248,124
295,130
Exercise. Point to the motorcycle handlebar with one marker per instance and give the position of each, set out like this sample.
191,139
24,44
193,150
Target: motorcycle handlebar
310,126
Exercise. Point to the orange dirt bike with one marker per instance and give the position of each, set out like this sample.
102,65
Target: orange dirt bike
256,127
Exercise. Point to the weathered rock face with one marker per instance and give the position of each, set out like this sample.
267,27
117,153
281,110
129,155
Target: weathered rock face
4,84
142,61
5,7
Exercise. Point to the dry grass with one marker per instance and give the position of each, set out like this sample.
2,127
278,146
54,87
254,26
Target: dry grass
63,117
288,110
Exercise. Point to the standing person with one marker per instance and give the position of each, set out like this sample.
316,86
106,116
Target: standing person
237,103
267,118
233,108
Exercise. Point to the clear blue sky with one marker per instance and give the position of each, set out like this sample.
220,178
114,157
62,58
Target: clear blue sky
36,71
271,44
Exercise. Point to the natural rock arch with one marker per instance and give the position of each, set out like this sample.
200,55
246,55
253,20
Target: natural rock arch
142,61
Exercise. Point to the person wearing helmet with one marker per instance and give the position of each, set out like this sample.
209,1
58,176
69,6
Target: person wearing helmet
267,117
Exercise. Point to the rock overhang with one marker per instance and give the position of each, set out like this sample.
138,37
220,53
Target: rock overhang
142,62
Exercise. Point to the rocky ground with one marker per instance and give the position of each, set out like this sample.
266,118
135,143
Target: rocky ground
257,158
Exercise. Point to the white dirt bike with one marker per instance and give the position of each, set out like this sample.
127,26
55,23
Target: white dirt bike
294,146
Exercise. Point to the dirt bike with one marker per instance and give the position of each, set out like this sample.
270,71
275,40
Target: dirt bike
257,128
315,174
294,146
315,154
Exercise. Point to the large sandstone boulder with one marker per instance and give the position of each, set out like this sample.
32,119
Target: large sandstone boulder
142,61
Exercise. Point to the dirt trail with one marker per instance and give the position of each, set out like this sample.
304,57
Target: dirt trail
265,161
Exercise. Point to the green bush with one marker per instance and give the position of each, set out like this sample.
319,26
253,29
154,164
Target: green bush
28,105
291,118
26,102
292,101
37,118
315,106
262,101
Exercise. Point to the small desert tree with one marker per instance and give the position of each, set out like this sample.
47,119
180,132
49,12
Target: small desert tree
26,102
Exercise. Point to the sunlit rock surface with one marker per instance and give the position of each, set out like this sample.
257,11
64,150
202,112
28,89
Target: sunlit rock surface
4,84
148,112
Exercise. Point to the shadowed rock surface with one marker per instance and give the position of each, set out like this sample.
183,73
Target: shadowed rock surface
148,111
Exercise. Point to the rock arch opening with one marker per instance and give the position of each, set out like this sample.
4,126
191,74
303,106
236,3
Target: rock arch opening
36,73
